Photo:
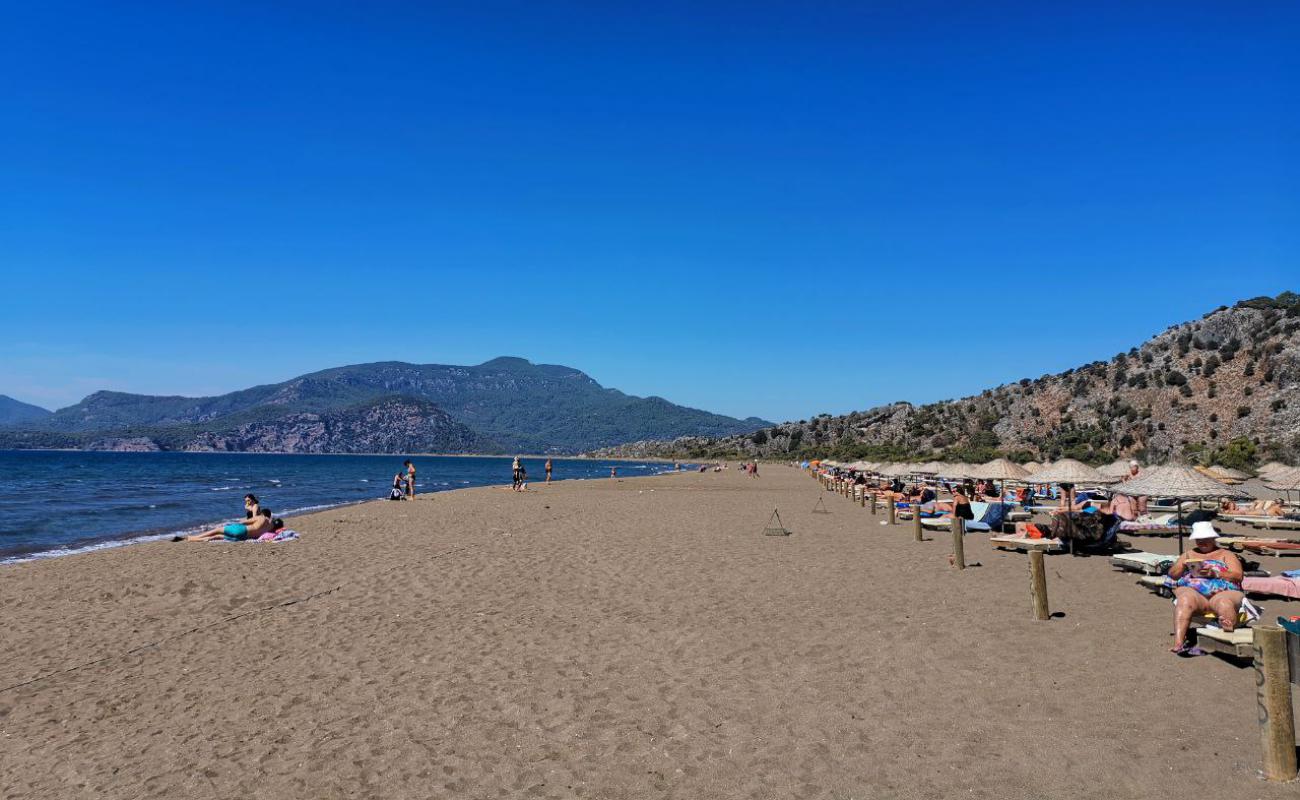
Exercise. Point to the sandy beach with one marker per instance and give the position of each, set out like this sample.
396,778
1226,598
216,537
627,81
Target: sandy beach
605,639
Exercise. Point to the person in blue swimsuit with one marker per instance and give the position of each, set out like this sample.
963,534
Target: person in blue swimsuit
250,528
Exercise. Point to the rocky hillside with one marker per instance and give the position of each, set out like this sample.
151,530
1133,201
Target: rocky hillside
507,404
1224,388
389,425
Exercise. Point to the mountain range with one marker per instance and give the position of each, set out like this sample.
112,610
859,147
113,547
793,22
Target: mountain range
1224,389
503,405
14,412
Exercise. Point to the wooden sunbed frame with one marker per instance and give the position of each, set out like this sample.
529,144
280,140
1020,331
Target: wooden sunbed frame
1023,545
1238,644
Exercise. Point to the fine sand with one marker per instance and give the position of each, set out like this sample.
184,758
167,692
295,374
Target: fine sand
621,639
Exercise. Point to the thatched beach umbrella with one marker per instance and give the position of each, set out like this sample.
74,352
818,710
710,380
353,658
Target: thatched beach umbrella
1180,482
1284,480
1000,469
1229,472
1115,469
1067,470
1269,468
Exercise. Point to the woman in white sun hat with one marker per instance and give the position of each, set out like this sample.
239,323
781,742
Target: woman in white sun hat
1206,578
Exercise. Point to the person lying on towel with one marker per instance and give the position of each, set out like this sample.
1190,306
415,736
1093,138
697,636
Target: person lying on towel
1206,578
1264,508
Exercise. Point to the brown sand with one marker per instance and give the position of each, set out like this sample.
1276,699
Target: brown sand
638,638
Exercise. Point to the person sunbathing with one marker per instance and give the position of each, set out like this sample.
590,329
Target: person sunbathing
1264,508
251,528
1205,579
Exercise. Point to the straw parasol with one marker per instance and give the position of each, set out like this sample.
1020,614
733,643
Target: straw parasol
1000,469
1284,480
1032,466
930,467
1115,469
1067,470
1269,468
1178,481
1229,472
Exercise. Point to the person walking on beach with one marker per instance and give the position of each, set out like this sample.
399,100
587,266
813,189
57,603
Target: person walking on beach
515,470
410,480
548,470
613,472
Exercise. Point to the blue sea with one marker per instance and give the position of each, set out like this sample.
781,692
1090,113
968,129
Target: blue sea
55,503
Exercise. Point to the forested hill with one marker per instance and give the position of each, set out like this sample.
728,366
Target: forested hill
1224,388
14,412
504,405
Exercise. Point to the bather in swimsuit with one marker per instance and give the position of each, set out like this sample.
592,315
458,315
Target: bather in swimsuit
1209,587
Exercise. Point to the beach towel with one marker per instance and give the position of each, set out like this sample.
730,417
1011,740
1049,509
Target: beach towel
278,536
1157,527
995,516
1280,586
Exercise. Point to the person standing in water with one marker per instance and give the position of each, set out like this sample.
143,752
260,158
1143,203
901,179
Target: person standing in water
514,468
548,470
613,472
410,480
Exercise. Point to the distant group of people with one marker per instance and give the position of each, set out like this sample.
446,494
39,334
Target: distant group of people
258,520
519,474
403,483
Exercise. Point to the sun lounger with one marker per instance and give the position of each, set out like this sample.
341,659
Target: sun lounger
1238,644
1148,563
1157,584
1024,544
1276,523
1278,586
1148,529
944,523
1271,547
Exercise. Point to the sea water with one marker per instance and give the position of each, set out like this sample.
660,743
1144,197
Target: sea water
55,503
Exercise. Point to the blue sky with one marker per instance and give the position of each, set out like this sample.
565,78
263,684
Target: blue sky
770,209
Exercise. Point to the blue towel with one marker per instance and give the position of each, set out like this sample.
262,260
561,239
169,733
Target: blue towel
995,516
1291,573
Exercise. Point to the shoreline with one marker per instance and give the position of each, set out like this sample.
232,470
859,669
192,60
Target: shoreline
136,537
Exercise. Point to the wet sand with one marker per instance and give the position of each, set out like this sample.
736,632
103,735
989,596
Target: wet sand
613,639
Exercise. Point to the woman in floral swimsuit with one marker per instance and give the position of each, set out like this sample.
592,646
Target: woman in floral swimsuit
1205,578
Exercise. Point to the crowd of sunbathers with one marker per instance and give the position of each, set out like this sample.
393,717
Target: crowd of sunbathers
1205,580
258,520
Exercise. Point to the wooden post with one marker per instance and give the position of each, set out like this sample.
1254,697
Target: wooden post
873,505
1273,694
893,510
916,522
864,495
1038,584
958,544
